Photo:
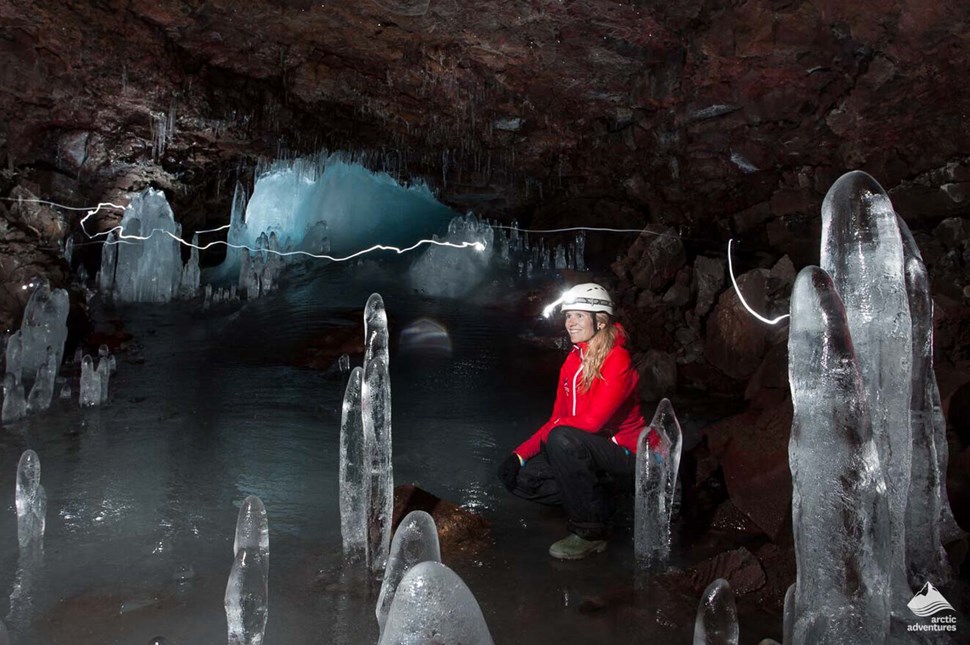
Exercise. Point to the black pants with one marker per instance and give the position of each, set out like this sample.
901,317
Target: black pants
584,473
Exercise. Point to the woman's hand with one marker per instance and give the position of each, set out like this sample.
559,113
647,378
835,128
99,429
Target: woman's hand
508,470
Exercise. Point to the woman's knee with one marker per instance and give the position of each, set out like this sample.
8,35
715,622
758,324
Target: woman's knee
564,440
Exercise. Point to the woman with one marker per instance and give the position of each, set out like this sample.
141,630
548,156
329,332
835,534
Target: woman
587,447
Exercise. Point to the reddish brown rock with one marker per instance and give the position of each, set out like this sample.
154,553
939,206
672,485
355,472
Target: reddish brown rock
735,342
752,448
739,567
460,532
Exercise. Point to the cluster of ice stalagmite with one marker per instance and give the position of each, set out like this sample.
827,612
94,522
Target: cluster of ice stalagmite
656,482
717,616
34,353
867,451
433,605
247,592
450,272
31,500
863,253
366,467
95,378
147,267
260,268
840,502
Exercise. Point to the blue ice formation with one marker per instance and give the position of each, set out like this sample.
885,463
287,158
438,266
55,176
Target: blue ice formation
360,208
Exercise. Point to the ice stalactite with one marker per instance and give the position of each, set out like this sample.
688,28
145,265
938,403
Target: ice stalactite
840,507
658,459
863,253
450,272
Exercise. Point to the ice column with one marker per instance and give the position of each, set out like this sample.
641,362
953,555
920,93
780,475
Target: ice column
14,405
375,330
415,541
31,500
433,605
376,417
717,616
863,253
191,274
840,506
44,325
90,394
925,558
656,482
42,391
354,476
247,593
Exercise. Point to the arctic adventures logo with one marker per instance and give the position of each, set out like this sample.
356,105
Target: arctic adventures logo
928,602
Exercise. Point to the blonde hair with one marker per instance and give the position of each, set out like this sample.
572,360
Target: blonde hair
599,346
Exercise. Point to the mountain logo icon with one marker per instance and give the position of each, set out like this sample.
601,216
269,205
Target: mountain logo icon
929,601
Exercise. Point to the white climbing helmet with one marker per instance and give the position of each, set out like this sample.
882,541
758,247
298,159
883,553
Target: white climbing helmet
588,296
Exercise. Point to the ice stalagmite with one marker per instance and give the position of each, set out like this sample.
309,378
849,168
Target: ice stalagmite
863,253
925,558
14,404
354,474
42,391
247,593
717,616
656,481
788,623
840,506
415,541
90,383
31,500
14,360
376,341
376,416
252,528
109,263
247,598
104,376
433,605
44,325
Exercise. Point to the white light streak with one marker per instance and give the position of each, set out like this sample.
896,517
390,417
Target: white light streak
737,290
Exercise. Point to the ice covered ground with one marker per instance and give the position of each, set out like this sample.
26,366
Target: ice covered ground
143,494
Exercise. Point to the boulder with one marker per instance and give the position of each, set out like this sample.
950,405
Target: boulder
736,340
460,532
708,279
752,448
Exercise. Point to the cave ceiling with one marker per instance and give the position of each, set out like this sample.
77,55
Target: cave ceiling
736,114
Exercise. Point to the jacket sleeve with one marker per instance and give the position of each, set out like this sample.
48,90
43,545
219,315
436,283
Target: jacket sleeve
531,446
608,394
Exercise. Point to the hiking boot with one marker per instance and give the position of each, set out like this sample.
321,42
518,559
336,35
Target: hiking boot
576,548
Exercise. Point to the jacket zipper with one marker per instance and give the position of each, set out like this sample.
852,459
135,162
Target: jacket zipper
576,376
